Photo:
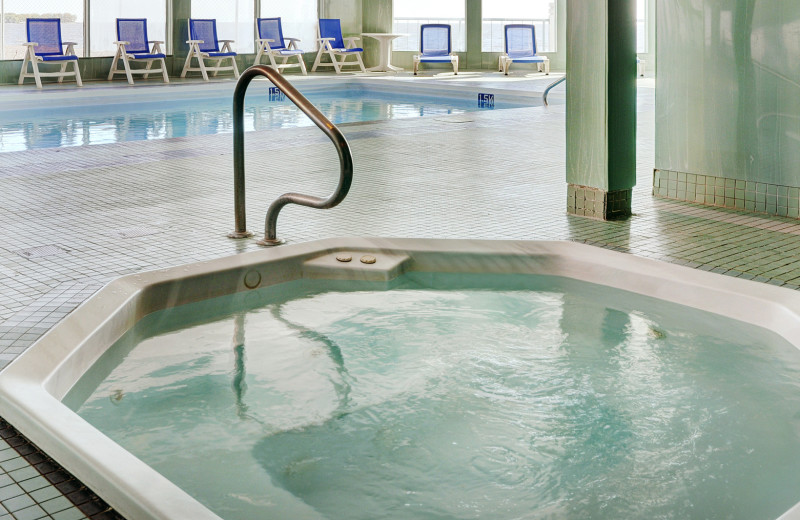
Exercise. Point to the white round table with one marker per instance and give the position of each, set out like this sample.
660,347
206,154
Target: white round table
385,41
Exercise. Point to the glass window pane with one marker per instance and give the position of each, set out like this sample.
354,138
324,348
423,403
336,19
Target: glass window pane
103,22
410,14
641,26
298,19
17,11
234,18
498,13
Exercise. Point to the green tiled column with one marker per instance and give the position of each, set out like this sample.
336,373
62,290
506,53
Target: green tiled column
474,22
601,107
181,12
349,11
376,18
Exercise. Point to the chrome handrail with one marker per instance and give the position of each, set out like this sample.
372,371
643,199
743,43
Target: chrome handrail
335,135
551,86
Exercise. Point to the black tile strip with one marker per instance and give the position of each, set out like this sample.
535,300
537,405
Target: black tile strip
94,507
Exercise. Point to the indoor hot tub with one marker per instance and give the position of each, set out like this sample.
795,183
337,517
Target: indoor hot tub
400,378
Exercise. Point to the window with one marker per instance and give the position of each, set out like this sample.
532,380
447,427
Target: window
15,12
298,19
641,26
498,13
234,21
103,22
410,14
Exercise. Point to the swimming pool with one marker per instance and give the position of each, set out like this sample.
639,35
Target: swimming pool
189,110
639,290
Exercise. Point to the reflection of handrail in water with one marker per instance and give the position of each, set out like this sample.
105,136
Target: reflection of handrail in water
342,388
551,86
239,383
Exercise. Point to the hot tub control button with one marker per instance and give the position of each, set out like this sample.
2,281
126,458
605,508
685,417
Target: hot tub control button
343,257
368,259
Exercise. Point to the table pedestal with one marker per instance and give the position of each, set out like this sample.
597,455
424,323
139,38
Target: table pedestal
385,51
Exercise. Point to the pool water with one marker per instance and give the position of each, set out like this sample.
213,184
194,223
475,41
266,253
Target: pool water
456,396
63,126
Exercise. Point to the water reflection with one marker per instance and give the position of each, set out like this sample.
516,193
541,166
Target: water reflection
86,125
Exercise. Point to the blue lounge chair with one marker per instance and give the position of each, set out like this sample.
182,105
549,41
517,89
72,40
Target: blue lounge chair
271,43
434,46
45,46
132,45
521,48
203,45
332,43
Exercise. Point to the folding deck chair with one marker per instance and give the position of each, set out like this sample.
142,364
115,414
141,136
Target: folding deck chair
203,45
45,46
271,43
521,48
434,46
332,43
132,46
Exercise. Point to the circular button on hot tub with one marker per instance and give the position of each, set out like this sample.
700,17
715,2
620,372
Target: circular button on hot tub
252,279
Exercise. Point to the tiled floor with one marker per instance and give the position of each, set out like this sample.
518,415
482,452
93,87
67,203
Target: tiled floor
74,218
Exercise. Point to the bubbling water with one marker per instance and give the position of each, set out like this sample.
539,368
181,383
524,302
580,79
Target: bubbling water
545,398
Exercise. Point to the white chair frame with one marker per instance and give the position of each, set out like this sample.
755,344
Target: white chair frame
126,58
34,60
541,66
452,58
195,52
326,48
264,49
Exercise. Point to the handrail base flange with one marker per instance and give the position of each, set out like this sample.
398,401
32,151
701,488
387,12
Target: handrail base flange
271,242
240,234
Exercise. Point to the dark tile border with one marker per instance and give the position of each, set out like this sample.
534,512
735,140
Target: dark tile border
710,190
92,506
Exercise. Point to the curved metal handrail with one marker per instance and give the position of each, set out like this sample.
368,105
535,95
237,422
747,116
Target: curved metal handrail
343,149
552,86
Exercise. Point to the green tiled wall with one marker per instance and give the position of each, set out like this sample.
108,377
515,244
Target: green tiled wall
728,102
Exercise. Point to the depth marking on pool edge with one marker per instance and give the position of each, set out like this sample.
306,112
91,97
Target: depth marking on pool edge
485,100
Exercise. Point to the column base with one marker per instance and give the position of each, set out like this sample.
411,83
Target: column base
596,203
